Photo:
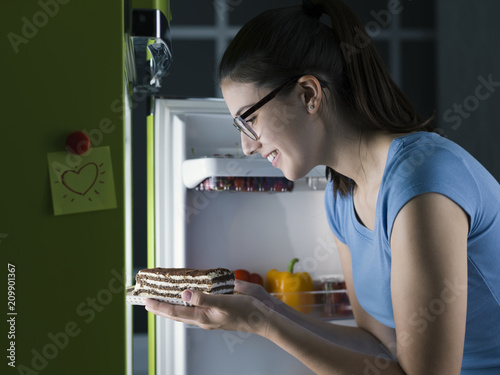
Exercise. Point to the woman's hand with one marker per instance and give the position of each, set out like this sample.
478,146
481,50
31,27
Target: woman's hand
251,289
243,313
258,292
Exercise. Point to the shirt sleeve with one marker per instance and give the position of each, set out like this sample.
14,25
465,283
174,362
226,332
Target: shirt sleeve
335,213
428,170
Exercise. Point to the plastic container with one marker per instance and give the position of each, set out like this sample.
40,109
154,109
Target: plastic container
325,304
337,302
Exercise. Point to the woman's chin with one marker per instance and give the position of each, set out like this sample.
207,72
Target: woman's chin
293,175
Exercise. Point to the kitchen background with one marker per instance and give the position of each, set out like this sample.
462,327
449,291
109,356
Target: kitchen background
444,54
63,71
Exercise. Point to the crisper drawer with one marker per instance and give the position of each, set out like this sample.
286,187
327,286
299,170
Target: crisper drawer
325,305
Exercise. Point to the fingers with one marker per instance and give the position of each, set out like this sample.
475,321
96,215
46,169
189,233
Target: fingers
241,286
251,289
151,303
179,313
186,314
159,308
197,298
246,287
229,312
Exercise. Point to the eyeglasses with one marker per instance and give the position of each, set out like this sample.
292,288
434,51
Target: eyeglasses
243,126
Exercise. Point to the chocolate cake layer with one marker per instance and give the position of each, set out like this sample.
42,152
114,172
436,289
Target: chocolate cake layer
171,282
187,271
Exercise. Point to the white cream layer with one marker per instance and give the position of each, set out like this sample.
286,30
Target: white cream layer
210,276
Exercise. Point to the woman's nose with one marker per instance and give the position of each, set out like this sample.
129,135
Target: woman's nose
248,145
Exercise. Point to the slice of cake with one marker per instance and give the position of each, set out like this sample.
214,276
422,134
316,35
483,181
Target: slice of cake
171,282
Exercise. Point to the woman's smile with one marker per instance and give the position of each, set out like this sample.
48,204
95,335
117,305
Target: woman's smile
272,156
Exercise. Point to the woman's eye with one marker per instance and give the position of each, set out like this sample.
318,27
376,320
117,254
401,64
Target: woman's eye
251,121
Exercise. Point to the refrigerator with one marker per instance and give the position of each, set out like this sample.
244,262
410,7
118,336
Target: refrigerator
211,206
70,66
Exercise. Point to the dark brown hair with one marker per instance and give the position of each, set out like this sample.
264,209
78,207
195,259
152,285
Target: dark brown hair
281,43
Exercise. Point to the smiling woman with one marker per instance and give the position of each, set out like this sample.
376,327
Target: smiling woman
358,84
415,217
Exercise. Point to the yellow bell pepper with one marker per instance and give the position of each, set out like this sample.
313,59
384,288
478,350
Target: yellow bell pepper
288,287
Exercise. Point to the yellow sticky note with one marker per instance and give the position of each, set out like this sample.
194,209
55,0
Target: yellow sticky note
81,183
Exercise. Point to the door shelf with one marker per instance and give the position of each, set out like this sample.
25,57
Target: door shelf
195,171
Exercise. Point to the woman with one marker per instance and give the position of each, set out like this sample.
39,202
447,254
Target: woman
416,219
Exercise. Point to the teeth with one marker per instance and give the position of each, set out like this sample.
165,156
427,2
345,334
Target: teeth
272,155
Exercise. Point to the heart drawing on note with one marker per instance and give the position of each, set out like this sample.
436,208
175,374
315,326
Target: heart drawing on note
81,181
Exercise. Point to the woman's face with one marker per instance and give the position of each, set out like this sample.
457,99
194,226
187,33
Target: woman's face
287,134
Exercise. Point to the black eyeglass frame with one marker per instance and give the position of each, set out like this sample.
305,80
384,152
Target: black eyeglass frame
239,121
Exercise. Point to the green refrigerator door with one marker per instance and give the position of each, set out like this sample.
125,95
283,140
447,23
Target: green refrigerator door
63,275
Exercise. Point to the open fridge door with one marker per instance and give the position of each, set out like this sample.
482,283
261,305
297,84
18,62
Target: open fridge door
203,225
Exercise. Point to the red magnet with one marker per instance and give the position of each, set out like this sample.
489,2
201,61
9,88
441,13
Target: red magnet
78,143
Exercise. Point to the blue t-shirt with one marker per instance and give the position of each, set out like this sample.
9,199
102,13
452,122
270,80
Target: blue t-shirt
421,163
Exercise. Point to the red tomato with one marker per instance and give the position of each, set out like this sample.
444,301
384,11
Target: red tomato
256,279
242,275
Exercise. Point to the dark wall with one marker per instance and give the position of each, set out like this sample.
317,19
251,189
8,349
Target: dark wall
403,32
469,77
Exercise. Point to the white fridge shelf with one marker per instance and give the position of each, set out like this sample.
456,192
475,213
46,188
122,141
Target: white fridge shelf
196,171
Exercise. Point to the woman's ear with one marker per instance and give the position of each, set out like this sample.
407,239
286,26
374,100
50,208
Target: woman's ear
311,93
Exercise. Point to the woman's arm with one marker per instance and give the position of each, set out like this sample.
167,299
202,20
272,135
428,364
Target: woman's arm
429,246
370,336
247,314
429,293
429,284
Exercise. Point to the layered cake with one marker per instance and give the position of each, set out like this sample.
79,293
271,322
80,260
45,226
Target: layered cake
171,282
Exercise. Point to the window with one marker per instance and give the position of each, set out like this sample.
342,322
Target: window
402,30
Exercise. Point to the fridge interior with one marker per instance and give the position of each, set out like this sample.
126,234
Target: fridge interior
257,231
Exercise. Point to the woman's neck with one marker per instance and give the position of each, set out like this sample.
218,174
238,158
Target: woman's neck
361,155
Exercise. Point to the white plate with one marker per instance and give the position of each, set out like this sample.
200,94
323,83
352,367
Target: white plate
139,300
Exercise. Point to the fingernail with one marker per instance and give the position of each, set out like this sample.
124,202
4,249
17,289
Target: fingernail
186,295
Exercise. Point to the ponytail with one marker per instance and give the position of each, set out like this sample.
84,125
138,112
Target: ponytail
369,91
369,84
285,42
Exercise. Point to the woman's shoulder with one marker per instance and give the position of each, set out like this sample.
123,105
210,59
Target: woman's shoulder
428,163
426,157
